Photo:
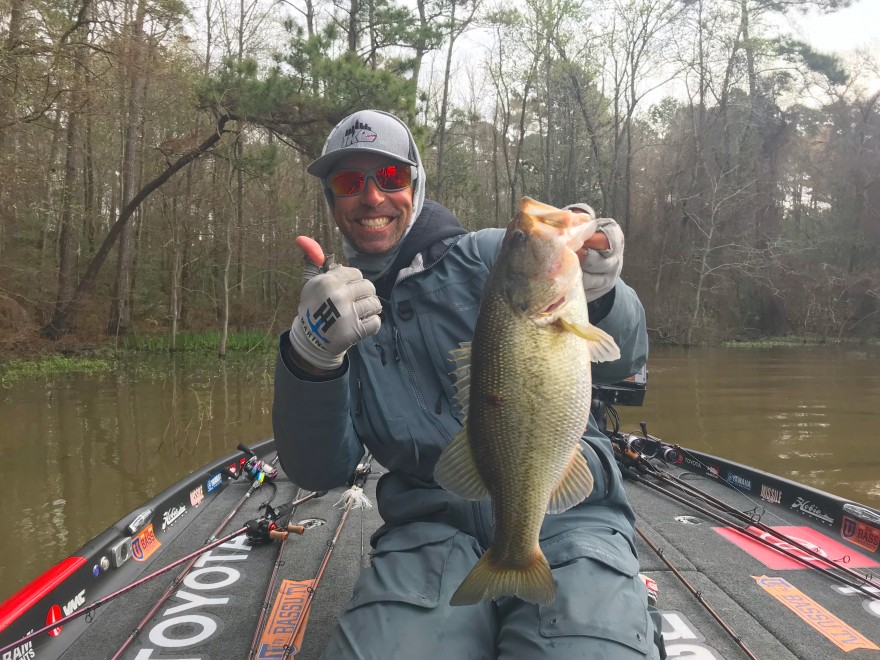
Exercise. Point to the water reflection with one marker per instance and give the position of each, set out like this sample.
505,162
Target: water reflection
82,451
805,413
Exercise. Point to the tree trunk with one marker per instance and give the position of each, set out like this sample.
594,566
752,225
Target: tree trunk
120,312
63,318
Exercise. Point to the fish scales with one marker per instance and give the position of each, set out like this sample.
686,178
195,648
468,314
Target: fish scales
537,373
526,393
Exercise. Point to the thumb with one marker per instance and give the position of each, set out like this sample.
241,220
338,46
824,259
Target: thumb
312,251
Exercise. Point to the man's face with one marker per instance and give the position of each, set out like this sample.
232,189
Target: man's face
374,221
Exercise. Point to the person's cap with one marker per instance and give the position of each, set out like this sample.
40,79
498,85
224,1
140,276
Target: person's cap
367,131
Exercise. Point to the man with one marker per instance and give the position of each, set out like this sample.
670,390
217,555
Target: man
366,364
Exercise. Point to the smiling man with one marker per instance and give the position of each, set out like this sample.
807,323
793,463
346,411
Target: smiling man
366,363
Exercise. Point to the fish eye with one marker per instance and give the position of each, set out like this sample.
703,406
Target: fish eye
520,235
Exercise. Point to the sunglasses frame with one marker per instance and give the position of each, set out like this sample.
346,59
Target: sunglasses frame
369,174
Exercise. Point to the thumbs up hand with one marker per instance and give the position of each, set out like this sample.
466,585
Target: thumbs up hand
337,309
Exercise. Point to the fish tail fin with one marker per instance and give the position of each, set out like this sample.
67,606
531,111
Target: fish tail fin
488,579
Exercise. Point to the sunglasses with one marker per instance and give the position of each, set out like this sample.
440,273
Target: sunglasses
389,178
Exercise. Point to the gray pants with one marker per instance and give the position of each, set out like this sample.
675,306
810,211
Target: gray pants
400,608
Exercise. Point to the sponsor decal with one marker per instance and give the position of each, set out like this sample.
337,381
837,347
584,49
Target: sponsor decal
739,481
868,515
358,132
213,482
837,631
190,619
171,515
23,652
770,494
860,533
693,462
145,544
75,603
197,495
683,640
54,615
713,471
289,609
807,508
808,537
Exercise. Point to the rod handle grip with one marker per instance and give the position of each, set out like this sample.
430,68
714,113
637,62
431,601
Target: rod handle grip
277,535
296,529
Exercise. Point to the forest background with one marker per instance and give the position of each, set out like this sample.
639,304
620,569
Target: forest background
153,153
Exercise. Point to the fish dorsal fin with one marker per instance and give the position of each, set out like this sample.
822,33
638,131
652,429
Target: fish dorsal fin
456,470
602,346
574,487
461,356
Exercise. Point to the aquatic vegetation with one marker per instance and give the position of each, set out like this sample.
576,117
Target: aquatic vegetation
15,370
777,342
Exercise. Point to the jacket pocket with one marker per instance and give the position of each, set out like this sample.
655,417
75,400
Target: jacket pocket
598,591
412,565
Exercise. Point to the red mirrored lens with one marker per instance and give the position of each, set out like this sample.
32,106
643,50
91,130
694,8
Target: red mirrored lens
393,177
347,182
390,178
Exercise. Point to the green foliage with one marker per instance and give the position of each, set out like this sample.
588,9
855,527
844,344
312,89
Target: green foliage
202,342
821,63
55,365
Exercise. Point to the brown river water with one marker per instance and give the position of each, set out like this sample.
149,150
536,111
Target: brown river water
80,452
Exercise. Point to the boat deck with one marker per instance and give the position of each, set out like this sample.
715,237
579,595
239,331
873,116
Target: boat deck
778,607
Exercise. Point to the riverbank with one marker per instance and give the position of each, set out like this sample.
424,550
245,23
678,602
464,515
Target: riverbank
31,356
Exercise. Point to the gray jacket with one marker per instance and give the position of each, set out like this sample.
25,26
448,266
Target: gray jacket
395,395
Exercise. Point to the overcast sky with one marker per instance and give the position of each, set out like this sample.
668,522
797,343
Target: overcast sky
840,32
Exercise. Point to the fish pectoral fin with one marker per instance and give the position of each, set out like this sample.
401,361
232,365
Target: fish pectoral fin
602,346
574,487
456,469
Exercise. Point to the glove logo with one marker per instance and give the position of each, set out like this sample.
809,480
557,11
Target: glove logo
323,319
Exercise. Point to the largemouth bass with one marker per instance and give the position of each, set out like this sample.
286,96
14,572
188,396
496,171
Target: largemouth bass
524,384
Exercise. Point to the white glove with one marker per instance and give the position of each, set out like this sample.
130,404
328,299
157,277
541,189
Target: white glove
336,310
601,268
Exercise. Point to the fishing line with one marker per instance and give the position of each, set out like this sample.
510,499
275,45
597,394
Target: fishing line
697,594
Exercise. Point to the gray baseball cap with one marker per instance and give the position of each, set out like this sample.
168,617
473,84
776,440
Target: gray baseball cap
366,131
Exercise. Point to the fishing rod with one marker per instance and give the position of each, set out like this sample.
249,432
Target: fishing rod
698,595
633,465
755,521
259,472
258,530
264,608
124,590
352,498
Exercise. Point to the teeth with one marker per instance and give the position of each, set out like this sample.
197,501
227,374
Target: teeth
376,223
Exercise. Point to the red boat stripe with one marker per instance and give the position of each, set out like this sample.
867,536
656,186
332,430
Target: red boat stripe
26,597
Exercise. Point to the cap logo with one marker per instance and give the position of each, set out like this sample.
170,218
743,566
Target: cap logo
357,132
